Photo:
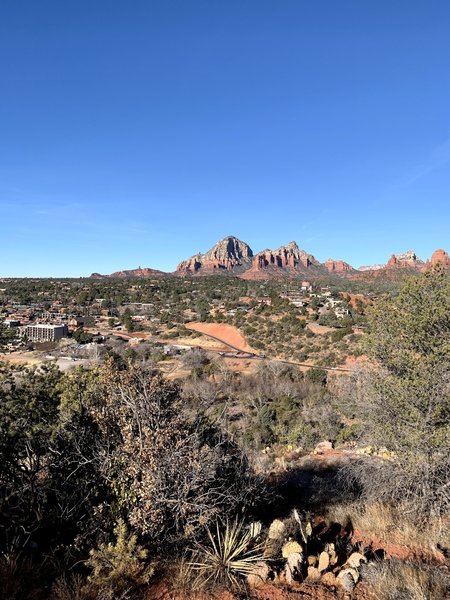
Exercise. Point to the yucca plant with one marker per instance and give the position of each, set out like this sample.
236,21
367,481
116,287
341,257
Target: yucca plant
230,554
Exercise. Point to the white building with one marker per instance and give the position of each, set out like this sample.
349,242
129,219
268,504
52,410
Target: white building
43,332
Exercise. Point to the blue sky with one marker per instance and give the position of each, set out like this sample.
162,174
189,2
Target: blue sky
139,133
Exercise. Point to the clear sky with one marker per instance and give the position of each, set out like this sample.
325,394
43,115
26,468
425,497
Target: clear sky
141,132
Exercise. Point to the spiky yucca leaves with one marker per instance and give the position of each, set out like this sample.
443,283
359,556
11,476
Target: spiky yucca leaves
231,554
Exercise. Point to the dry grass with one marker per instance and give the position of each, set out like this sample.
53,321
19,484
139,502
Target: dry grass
392,525
397,580
68,589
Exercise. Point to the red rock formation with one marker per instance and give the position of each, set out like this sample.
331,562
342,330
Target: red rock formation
229,255
144,272
287,260
440,257
392,262
407,260
338,266
285,256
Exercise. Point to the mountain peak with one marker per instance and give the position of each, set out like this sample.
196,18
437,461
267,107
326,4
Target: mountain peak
408,259
229,254
292,246
337,266
285,261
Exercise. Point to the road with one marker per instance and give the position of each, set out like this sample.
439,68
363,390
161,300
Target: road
253,356
244,353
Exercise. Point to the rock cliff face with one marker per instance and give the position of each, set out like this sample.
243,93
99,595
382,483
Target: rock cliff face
228,255
287,260
338,266
440,257
400,264
407,260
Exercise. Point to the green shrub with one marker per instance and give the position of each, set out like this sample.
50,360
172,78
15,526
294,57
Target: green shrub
350,433
120,566
317,376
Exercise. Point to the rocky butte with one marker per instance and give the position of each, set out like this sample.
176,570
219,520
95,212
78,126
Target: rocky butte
228,255
285,261
338,266
407,260
440,257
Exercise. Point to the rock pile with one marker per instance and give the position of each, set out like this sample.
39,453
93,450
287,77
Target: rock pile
295,551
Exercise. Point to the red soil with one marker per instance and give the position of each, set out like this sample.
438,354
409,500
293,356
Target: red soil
223,332
399,551
305,590
319,329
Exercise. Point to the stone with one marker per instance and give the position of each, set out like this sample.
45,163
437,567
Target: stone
259,575
329,579
345,581
324,561
355,559
277,530
290,547
323,447
331,550
348,578
313,574
293,567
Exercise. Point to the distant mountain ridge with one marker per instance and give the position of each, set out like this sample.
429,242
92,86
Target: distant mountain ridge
139,272
232,256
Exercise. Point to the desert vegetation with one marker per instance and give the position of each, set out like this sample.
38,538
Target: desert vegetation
120,482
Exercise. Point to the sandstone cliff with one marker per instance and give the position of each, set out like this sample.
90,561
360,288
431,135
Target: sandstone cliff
228,255
407,260
440,257
285,261
338,266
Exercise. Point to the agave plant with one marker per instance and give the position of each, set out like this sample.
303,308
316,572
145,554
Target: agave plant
228,557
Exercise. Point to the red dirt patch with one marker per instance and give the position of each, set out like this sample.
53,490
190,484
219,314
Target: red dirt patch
305,590
319,329
223,332
353,362
399,551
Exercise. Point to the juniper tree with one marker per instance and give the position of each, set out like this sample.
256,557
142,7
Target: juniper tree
404,397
